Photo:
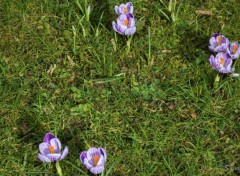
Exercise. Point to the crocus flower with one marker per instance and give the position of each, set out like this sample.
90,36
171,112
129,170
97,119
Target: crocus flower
50,149
218,43
222,62
125,24
94,159
234,50
124,8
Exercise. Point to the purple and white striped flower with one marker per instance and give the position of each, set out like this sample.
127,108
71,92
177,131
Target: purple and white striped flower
222,62
125,24
50,149
124,8
234,50
94,159
218,43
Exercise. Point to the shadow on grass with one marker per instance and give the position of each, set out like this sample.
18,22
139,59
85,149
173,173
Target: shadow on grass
193,45
102,6
30,130
73,134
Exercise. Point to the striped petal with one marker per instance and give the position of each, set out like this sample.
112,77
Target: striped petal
43,148
44,158
64,153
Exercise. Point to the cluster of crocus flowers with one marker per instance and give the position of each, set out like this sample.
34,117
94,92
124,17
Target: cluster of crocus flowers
226,52
125,22
50,151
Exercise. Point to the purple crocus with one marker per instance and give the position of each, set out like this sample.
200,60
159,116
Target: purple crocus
222,62
125,24
124,8
234,50
50,149
218,43
94,159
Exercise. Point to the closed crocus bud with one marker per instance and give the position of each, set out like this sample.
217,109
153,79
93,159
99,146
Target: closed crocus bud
218,43
125,24
222,62
124,8
50,149
234,50
94,159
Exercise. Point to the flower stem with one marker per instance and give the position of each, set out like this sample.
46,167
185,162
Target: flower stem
129,39
149,46
216,81
234,62
59,170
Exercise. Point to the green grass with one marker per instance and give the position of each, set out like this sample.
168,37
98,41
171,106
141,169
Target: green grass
156,113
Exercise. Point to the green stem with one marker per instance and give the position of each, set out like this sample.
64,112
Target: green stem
59,170
129,40
149,46
87,10
74,39
216,81
234,62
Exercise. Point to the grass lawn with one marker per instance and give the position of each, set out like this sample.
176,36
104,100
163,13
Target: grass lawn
155,109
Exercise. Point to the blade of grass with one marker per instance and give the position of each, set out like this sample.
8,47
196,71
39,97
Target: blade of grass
74,166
